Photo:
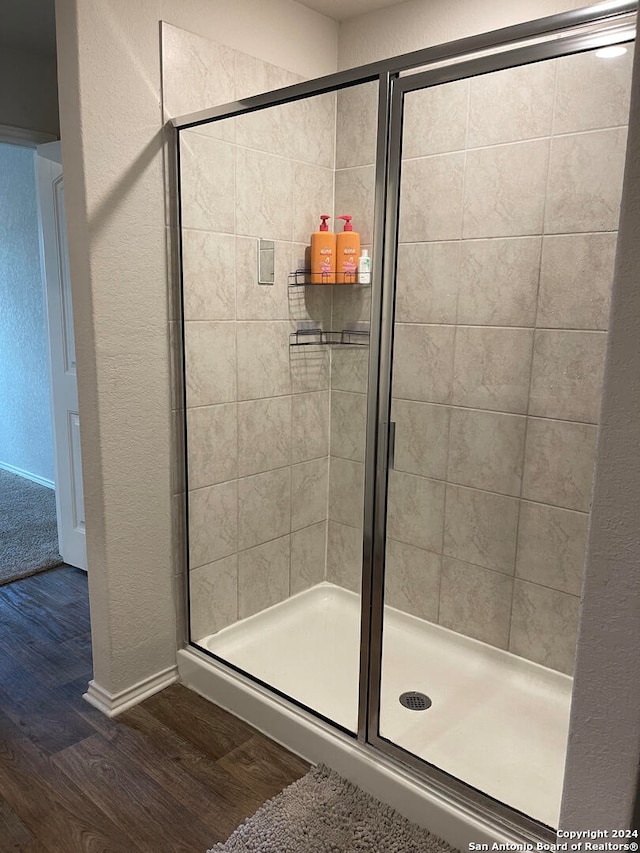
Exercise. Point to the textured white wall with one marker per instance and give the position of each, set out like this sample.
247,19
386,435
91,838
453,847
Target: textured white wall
28,91
604,737
416,24
109,73
25,408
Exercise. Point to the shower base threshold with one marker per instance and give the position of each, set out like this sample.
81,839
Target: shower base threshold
496,721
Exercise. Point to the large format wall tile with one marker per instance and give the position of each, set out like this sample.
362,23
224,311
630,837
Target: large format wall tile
213,444
267,130
575,281
201,75
208,269
551,546
208,183
213,523
427,282
499,281
475,602
312,196
423,362
313,133
356,120
346,491
355,196
210,363
350,369
486,450
481,528
566,380
504,190
254,76
263,195
264,507
309,491
592,92
344,556
261,301
435,120
263,360
213,591
544,625
309,367
348,425
264,435
511,105
412,580
585,181
350,306
431,198
422,438
309,426
559,463
263,576
415,510
308,557
492,368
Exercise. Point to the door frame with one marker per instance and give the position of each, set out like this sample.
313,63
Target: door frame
61,351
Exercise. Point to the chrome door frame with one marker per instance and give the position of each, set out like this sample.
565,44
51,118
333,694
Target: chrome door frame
551,36
469,798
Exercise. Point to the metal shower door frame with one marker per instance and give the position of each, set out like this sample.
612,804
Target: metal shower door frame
552,37
604,32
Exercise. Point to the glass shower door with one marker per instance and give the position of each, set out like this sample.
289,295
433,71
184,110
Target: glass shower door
509,194
276,389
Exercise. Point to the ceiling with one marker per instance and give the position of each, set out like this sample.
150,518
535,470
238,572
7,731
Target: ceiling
28,25
339,10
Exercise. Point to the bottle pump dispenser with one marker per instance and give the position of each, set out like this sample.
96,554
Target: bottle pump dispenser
347,253
323,254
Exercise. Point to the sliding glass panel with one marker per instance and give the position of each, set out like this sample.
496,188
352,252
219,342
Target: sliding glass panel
276,360
509,202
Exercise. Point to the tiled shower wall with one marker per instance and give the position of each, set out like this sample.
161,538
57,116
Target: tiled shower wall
257,412
509,208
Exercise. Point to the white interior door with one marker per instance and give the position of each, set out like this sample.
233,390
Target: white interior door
64,388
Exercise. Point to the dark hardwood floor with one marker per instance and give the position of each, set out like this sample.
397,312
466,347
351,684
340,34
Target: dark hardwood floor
174,773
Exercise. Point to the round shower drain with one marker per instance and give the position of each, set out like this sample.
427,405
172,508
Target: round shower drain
415,701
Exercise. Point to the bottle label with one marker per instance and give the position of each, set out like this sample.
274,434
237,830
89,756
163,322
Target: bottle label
349,250
326,251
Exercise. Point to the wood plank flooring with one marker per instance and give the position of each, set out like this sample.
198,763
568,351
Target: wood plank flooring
172,775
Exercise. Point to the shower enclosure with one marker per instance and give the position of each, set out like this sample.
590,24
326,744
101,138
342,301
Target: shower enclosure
388,481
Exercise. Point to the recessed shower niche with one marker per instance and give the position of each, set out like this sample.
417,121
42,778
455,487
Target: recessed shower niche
389,484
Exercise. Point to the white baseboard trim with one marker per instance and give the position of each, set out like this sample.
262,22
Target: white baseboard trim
27,475
112,704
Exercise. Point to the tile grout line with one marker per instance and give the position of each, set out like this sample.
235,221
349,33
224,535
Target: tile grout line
531,365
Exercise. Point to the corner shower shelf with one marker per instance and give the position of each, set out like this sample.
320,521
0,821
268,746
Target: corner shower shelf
318,337
302,278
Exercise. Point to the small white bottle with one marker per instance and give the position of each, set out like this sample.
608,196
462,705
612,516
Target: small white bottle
364,268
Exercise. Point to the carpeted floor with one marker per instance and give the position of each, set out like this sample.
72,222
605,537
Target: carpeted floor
323,813
28,528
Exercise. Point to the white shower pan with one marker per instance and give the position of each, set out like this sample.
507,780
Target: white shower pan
497,722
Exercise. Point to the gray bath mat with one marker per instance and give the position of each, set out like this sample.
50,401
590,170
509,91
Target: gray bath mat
323,813
28,528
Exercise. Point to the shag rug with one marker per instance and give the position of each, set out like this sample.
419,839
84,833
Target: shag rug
28,528
323,813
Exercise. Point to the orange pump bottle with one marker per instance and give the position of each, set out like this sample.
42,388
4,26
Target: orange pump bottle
347,253
323,254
